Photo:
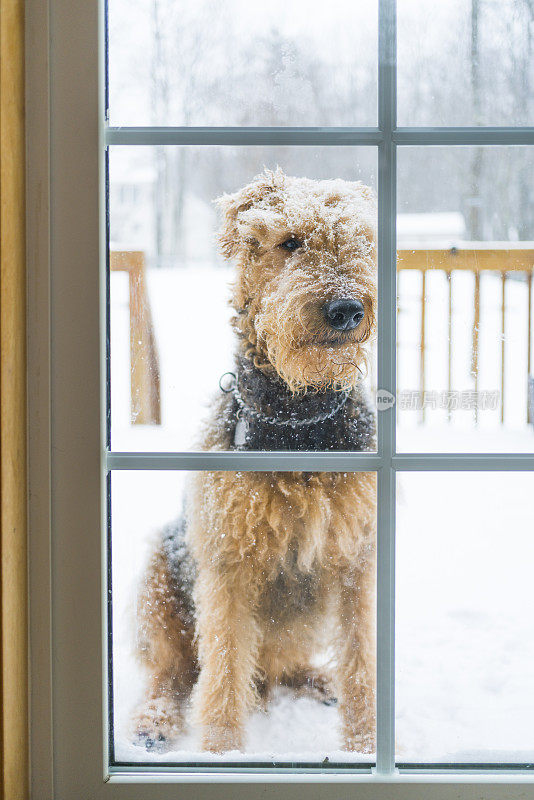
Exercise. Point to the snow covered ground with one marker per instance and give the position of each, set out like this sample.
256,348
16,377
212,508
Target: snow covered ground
465,630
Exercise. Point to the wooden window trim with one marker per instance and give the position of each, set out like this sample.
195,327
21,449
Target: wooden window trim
14,740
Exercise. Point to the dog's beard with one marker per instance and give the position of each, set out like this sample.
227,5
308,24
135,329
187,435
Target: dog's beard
305,352
317,367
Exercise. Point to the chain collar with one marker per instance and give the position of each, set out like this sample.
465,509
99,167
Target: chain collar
293,423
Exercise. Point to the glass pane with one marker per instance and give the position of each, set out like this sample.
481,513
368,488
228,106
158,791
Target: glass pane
289,365
235,62
466,255
245,624
465,62
465,631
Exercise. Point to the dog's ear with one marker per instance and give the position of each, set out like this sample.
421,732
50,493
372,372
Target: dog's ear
264,186
230,205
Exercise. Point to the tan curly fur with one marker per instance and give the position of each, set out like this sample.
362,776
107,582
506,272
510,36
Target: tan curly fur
285,562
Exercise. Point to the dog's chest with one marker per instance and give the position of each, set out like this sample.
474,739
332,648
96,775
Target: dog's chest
308,520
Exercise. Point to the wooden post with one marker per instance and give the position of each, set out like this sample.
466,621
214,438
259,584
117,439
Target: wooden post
475,340
503,343
422,347
397,353
529,335
449,350
145,397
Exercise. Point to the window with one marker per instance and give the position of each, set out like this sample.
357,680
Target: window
450,372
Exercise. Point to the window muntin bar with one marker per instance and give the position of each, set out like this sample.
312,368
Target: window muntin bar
403,462
463,136
317,136
387,110
244,136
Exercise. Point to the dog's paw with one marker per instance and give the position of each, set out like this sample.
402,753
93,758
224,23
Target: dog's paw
221,738
152,742
320,687
314,684
330,700
158,725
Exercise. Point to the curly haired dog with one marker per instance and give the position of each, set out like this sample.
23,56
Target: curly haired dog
266,568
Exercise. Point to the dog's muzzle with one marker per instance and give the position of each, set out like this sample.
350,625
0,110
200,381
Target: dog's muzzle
344,314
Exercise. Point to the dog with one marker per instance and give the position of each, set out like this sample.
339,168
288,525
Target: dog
267,569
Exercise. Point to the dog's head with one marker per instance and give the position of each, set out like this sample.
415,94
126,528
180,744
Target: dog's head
305,293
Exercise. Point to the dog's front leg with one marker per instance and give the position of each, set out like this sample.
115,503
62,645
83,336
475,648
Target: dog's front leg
357,658
228,641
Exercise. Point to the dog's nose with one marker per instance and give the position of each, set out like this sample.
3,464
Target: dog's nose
344,314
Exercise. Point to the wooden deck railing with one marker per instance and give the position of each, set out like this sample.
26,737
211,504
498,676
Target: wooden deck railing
145,395
502,258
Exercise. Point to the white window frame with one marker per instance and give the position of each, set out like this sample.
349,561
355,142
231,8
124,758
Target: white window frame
69,461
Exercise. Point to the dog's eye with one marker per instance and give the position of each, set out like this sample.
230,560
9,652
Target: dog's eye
291,244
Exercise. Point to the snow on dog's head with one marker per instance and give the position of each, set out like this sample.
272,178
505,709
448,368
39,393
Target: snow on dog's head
305,291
